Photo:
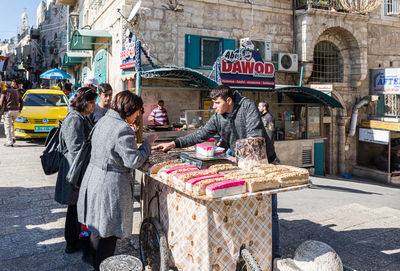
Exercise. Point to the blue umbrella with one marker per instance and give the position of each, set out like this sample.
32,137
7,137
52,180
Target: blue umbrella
55,74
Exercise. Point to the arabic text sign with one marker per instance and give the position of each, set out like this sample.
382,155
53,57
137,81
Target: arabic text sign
385,81
374,136
327,89
128,56
245,68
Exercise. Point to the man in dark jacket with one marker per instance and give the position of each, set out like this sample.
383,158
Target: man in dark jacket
236,118
11,102
267,119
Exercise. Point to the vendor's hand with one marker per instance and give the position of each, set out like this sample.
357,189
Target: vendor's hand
233,159
165,146
150,139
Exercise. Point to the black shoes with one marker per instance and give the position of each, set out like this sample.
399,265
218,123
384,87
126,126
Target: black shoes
72,248
8,145
14,141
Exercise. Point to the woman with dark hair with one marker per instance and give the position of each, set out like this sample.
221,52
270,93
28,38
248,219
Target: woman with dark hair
75,130
105,203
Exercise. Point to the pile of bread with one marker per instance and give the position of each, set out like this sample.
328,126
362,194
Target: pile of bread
223,180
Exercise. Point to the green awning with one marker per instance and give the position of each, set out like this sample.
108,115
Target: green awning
308,95
84,39
73,58
196,79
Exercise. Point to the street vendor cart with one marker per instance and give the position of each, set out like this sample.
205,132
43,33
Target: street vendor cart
192,232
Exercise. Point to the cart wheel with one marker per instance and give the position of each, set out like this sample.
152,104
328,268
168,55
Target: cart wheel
248,263
153,245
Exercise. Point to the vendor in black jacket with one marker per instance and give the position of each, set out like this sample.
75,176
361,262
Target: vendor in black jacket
236,118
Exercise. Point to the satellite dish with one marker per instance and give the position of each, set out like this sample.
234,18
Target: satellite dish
134,10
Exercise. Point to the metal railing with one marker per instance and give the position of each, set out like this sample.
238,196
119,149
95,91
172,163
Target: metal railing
331,5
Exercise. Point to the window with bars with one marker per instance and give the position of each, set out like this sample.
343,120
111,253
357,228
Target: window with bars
392,105
328,63
392,7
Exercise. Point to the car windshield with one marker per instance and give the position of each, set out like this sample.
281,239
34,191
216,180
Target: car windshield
45,99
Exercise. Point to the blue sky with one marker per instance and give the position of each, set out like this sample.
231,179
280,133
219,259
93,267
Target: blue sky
11,11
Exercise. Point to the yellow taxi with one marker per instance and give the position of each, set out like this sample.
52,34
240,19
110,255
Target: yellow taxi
42,110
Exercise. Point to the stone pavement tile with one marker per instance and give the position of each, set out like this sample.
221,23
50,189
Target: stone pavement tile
11,212
47,261
26,199
393,267
20,206
10,225
371,259
387,243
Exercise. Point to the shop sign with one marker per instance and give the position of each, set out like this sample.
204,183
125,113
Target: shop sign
127,56
374,124
244,68
374,136
326,89
385,81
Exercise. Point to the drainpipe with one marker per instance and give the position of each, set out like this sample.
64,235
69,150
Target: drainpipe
364,101
342,144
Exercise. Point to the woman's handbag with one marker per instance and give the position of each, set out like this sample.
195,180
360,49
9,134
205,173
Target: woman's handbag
80,163
53,153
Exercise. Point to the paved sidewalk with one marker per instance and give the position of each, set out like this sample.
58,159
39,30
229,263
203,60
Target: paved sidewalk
32,223
360,220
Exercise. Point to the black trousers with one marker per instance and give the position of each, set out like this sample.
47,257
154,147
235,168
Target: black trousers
101,248
72,226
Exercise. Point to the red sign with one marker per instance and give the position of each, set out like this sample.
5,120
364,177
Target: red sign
244,68
127,56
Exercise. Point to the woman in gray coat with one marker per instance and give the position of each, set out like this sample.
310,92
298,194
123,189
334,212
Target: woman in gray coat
105,203
75,130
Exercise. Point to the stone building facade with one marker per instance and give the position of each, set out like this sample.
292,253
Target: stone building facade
360,42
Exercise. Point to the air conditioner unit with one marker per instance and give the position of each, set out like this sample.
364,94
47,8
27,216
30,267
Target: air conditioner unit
288,62
263,47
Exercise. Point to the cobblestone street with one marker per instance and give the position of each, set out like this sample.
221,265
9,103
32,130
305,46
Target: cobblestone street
32,224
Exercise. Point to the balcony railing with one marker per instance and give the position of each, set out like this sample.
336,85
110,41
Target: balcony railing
331,5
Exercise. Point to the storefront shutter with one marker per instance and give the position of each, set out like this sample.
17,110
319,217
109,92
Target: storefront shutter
228,44
192,51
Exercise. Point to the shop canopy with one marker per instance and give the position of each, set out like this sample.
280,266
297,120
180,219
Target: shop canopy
308,95
85,39
196,79
73,58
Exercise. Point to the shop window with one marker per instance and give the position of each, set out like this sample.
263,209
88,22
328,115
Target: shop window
389,105
328,63
392,7
313,121
201,52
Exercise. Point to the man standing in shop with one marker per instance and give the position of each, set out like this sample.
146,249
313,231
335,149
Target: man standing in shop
267,119
236,118
105,93
159,115
11,102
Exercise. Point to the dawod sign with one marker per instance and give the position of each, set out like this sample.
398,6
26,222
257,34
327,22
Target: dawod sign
244,68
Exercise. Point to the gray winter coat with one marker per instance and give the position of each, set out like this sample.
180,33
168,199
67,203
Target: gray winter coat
105,201
245,121
75,129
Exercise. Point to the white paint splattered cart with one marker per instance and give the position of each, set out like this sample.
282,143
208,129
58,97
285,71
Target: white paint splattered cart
206,234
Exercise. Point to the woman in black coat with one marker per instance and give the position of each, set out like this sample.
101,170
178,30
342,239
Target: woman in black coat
75,130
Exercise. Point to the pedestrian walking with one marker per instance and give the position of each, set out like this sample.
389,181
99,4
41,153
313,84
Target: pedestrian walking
11,104
75,130
105,197
267,119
